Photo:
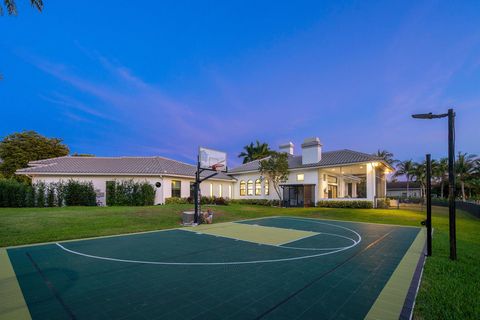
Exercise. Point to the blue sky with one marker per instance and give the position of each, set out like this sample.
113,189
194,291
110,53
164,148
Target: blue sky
164,77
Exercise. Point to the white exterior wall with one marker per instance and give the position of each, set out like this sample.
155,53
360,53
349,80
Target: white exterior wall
165,191
310,177
370,182
252,176
342,189
100,182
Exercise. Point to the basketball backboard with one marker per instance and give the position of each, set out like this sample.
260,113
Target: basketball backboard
212,159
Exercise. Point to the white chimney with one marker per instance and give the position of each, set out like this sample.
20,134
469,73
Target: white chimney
288,148
311,150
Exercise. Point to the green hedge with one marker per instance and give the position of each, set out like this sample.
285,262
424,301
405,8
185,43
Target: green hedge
72,193
353,204
177,200
15,194
258,202
383,203
129,193
204,200
79,193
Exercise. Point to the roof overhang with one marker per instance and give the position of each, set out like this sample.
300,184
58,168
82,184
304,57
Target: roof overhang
77,174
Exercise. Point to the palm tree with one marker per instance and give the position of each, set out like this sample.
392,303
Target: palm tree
12,7
465,168
387,156
12,10
419,174
255,151
440,172
405,168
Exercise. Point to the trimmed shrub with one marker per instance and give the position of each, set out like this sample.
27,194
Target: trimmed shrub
353,204
111,193
40,193
51,195
130,193
258,202
383,203
177,200
14,193
204,200
60,193
30,197
80,194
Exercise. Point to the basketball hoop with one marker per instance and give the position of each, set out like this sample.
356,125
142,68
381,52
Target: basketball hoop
218,167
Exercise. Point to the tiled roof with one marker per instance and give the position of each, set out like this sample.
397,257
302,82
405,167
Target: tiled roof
114,165
329,158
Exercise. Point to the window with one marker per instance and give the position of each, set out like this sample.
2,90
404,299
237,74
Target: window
243,188
220,190
332,191
230,192
176,188
258,187
192,190
350,189
332,187
332,179
267,187
211,190
249,188
300,177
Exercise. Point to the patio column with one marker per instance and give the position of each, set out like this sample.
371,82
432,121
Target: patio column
370,181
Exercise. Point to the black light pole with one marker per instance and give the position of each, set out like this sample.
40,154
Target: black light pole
451,183
451,174
429,205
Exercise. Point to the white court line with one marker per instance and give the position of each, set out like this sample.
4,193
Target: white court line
222,263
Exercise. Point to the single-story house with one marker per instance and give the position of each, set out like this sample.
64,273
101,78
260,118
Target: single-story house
314,175
399,189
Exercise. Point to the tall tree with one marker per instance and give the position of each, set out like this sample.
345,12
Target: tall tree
255,151
405,168
11,6
17,149
387,156
465,167
440,172
419,174
275,168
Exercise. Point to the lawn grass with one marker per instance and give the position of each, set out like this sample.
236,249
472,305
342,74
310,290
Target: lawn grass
449,290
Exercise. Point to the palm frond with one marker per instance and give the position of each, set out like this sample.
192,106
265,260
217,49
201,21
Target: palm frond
11,7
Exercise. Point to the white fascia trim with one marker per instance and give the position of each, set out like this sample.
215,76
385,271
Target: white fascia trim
315,167
113,174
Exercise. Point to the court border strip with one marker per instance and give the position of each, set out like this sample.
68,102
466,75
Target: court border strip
13,304
384,308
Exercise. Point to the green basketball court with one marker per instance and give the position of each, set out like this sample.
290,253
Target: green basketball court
268,268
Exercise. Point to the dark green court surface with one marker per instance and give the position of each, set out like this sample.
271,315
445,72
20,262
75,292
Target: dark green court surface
272,268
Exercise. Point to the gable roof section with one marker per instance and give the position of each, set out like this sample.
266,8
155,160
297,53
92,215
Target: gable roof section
126,166
329,158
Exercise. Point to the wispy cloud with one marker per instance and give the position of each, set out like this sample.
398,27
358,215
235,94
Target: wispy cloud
160,122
